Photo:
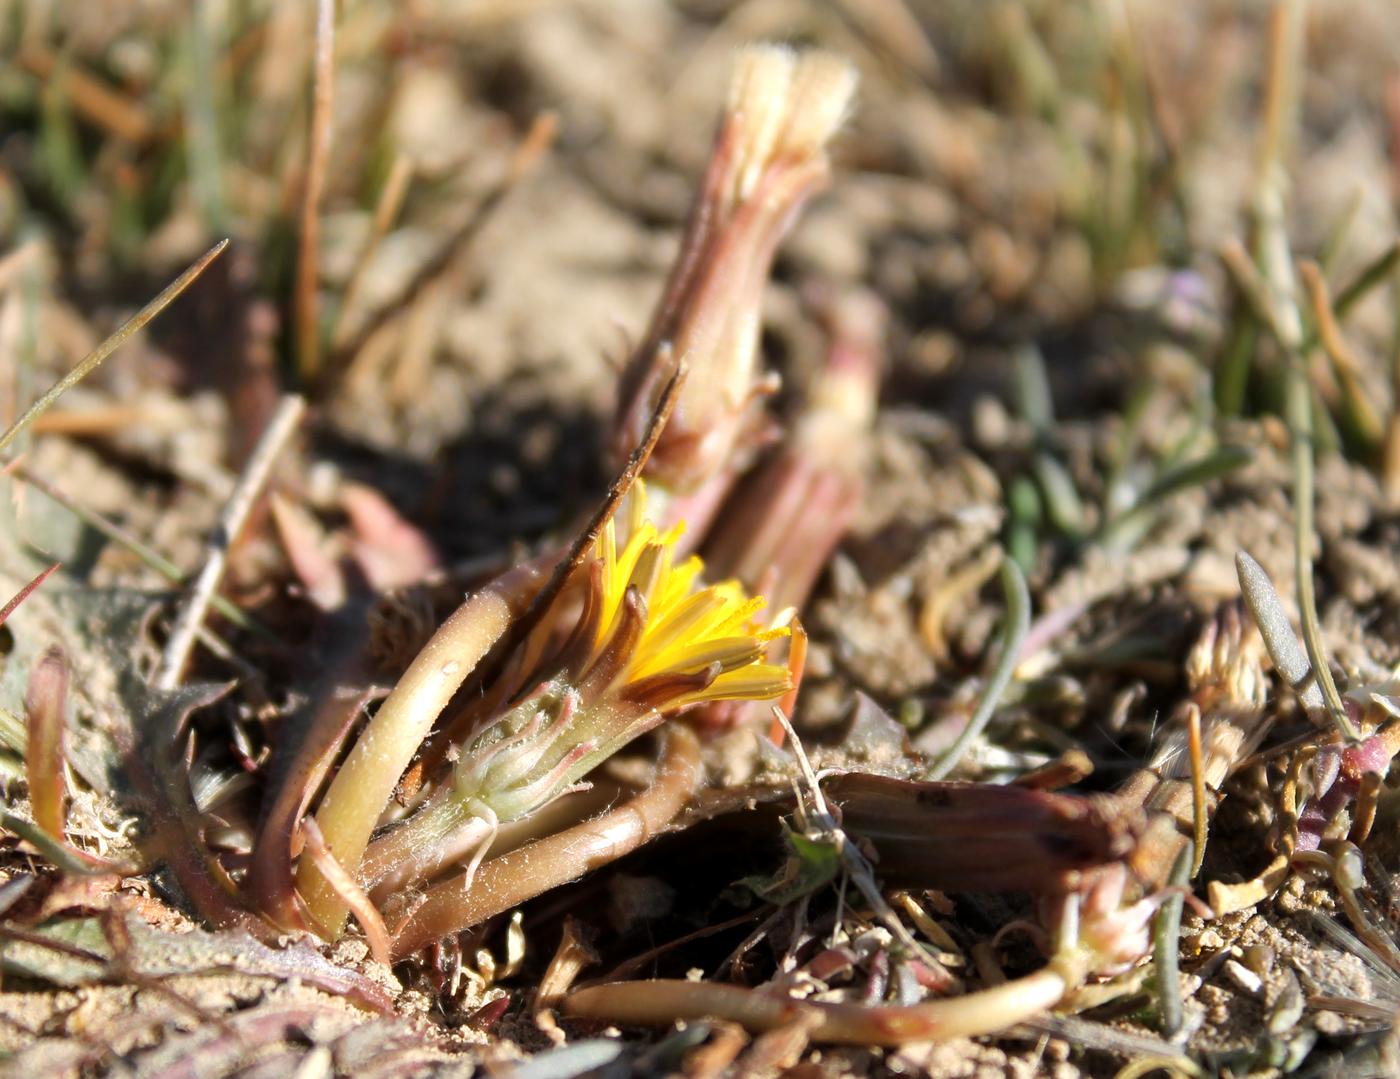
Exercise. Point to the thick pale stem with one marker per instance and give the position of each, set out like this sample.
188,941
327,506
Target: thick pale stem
663,1002
511,879
363,785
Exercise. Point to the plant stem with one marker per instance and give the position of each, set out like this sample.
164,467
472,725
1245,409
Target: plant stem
511,879
663,1002
439,833
365,782
1275,260
1299,408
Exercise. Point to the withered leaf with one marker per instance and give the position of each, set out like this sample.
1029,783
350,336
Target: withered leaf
159,953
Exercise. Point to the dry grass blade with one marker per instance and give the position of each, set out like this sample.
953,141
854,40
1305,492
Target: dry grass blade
450,258
386,209
1286,41
147,554
240,504
1344,360
94,359
305,305
1255,290
1018,624
94,99
45,705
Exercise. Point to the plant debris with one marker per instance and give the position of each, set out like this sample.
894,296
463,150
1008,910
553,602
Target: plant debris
516,560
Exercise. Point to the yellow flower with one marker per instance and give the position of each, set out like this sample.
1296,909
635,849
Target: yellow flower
701,639
652,639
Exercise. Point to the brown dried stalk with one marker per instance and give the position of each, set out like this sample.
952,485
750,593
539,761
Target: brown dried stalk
1344,361
187,625
386,209
305,302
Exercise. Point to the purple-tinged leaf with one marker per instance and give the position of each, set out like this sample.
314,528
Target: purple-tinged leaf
24,592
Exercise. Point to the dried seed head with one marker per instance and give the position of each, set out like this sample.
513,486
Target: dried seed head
784,108
768,158
1226,664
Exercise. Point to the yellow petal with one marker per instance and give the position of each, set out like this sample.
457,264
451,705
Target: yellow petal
757,681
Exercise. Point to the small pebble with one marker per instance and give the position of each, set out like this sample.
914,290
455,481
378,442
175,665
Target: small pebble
1243,977
1260,959
1209,940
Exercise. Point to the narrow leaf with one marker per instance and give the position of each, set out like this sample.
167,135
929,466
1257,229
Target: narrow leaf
46,704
